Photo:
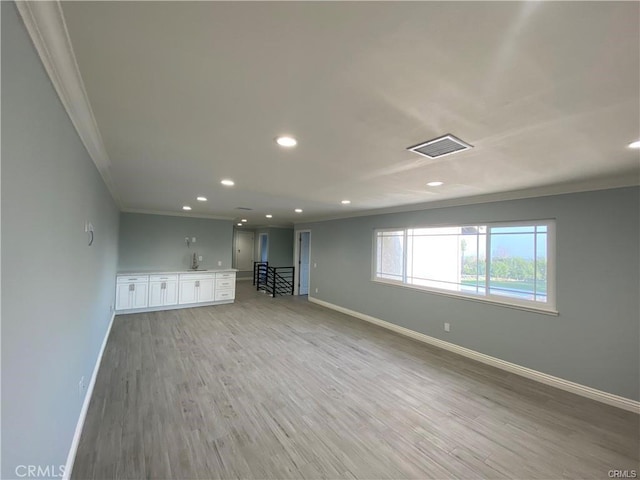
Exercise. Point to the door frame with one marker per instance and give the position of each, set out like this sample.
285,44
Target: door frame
260,235
296,254
236,234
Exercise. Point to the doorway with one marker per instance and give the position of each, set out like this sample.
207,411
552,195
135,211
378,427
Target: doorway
303,259
243,251
263,247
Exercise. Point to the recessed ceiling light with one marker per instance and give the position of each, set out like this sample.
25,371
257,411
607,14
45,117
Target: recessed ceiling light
635,144
239,224
201,199
285,141
228,183
186,207
434,184
268,215
298,210
243,220
345,202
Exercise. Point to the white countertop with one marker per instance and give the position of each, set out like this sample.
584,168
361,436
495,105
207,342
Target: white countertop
175,272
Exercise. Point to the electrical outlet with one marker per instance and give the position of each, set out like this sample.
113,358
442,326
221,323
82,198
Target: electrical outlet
316,290
219,263
315,265
199,258
447,327
193,240
111,308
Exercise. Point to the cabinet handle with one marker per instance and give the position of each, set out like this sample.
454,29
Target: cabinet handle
132,287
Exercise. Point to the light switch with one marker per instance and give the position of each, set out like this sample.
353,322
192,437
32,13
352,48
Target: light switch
315,265
199,258
193,240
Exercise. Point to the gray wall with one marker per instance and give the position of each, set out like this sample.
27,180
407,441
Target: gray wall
594,340
279,247
156,242
56,290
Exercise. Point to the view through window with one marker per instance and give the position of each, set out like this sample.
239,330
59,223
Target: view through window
507,262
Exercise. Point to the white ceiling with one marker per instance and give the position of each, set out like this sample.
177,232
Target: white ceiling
188,93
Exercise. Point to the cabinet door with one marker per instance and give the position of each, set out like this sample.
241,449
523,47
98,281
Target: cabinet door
123,297
206,290
156,294
188,292
170,293
140,295
226,294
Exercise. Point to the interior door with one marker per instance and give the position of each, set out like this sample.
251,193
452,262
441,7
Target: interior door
303,262
264,243
244,251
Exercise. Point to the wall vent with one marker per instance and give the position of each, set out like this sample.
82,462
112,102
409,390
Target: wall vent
440,147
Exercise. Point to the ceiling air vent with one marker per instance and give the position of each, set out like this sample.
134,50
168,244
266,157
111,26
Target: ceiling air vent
441,146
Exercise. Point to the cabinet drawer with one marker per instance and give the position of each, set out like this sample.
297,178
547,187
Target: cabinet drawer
226,275
163,278
132,278
225,283
225,295
196,276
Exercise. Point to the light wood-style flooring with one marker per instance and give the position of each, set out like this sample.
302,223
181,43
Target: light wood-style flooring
284,389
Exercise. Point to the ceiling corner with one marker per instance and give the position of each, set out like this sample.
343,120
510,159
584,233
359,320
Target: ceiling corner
46,26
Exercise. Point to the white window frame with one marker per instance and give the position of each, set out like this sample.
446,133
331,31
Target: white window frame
547,308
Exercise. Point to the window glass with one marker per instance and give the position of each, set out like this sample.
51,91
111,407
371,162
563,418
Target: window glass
457,259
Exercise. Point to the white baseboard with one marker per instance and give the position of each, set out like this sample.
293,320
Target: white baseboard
583,390
85,406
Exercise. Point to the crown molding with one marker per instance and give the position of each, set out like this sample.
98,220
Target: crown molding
168,213
608,183
48,31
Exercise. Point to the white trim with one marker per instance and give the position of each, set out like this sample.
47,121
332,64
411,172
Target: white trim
174,214
85,406
46,26
296,253
562,384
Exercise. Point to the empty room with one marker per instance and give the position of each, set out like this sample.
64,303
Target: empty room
320,240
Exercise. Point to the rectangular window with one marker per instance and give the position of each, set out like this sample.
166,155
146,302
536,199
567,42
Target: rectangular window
509,263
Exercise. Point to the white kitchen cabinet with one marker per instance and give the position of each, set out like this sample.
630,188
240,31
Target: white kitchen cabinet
131,292
225,286
197,288
163,290
206,290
